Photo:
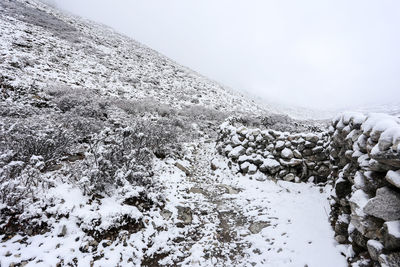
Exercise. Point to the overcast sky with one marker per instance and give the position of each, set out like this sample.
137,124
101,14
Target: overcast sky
310,53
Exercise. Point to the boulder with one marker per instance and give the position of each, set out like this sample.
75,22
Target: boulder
374,249
385,205
390,260
279,145
237,152
391,235
393,177
270,165
289,177
342,188
286,153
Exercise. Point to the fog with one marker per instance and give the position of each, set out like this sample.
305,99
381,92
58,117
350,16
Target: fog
311,53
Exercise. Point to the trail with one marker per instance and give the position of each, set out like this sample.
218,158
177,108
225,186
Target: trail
236,220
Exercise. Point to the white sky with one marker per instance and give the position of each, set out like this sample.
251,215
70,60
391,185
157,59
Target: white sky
310,53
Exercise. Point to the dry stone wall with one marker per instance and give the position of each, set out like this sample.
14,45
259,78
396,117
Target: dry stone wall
359,155
365,164
282,155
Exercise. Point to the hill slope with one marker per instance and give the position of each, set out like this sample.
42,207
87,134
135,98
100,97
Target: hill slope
108,158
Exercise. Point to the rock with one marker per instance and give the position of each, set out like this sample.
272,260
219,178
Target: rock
279,145
286,153
393,177
270,165
391,235
237,152
374,249
166,214
185,214
312,138
297,154
195,190
244,167
182,166
342,188
389,157
252,169
256,227
359,242
309,144
63,231
368,226
385,205
291,163
341,239
214,165
289,177
229,189
390,260
317,149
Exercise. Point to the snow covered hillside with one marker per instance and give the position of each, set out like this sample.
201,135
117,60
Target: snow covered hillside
113,155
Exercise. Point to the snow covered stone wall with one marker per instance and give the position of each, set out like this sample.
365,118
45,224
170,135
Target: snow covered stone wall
365,163
280,155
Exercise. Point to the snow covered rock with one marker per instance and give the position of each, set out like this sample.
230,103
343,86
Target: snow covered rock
237,152
270,165
390,260
385,205
393,177
287,153
374,249
391,235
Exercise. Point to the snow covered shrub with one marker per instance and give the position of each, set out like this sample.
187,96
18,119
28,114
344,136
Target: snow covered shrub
198,112
83,102
148,105
35,136
125,155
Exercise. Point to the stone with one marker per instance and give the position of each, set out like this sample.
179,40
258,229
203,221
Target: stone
289,177
228,189
358,240
237,152
297,154
309,144
342,188
63,231
391,158
182,167
312,138
341,239
166,214
374,249
185,214
256,227
385,205
286,153
195,190
270,165
291,163
391,235
368,226
393,177
252,169
317,149
279,145
390,260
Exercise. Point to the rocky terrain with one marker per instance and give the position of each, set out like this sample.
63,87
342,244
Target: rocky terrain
113,155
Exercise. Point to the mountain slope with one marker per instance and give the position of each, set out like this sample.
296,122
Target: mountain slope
108,158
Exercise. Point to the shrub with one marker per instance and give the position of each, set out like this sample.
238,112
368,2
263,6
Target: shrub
126,154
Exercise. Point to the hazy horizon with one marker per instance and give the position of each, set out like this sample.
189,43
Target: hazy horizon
335,54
